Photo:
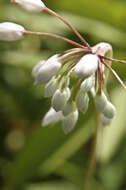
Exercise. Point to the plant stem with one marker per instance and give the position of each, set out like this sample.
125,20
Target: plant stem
69,25
112,59
92,161
53,36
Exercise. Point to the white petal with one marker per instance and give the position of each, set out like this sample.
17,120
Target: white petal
109,110
82,101
87,65
47,70
36,68
60,99
87,84
69,121
51,87
52,117
10,31
101,102
69,107
34,6
105,120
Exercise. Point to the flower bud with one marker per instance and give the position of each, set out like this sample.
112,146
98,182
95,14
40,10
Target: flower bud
82,101
69,122
51,87
46,70
34,6
101,102
105,120
109,110
52,117
69,107
87,65
60,98
87,84
10,31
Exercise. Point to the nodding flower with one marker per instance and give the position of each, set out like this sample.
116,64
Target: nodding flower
34,6
10,31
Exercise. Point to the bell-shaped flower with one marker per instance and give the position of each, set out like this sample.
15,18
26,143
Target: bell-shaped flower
44,71
109,110
60,98
10,31
52,117
51,87
82,101
69,121
69,107
87,84
34,6
105,120
101,102
87,65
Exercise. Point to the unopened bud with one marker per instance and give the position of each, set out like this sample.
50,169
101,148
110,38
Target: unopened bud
69,107
52,117
46,70
105,120
87,84
51,87
60,98
109,110
100,102
82,101
69,122
10,31
34,6
87,65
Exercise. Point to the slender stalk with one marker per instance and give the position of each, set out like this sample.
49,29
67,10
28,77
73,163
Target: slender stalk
53,36
92,162
112,59
115,74
69,25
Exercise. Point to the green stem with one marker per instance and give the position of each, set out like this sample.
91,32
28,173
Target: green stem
69,25
92,161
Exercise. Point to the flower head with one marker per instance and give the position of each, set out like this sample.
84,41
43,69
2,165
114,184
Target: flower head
10,31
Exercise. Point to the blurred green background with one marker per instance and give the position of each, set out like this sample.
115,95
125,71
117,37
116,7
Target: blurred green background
36,158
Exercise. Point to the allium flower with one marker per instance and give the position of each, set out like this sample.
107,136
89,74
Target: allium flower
52,117
34,6
45,70
87,65
101,102
82,101
10,31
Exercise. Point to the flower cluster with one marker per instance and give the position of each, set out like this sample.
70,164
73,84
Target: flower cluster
88,65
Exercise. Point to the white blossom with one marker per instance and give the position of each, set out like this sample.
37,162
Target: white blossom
87,84
51,87
10,31
105,120
44,71
60,98
109,110
34,6
82,101
69,121
52,117
101,101
87,65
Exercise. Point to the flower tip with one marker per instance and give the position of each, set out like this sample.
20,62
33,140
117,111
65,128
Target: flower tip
34,6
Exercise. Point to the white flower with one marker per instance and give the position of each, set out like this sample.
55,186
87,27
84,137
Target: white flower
87,65
52,117
105,120
101,102
51,87
44,71
69,107
87,84
34,6
60,98
10,31
69,121
109,110
82,101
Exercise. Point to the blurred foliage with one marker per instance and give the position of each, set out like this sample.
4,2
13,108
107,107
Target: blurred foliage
32,157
